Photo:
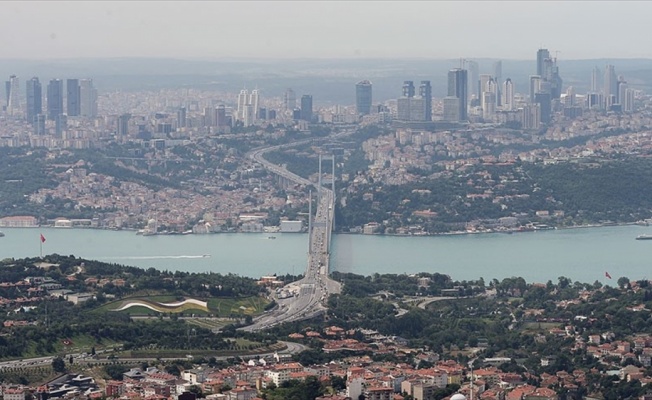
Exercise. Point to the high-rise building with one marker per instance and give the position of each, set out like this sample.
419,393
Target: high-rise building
488,100
254,101
415,108
123,125
39,124
474,77
363,97
457,87
498,77
628,101
451,108
181,117
73,101
34,99
569,100
595,80
55,98
543,99
622,87
248,115
221,116
290,100
425,92
508,95
243,100
306,107
60,124
88,98
408,89
610,87
535,86
13,97
542,56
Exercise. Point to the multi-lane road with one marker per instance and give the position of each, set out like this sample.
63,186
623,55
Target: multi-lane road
308,295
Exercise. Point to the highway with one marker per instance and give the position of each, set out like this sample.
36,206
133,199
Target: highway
308,295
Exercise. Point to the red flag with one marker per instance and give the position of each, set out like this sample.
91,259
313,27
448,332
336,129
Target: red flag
42,238
607,274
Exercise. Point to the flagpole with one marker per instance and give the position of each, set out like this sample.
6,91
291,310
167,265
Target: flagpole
40,243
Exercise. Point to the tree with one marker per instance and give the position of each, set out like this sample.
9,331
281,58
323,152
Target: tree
58,365
623,282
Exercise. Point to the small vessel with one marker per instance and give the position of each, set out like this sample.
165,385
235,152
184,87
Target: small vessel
205,255
271,237
2,234
644,237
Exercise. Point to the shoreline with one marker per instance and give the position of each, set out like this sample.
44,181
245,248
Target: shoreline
454,233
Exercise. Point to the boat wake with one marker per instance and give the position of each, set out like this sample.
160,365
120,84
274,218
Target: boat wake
155,257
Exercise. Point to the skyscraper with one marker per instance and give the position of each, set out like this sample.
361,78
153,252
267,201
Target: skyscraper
535,87
221,116
181,117
34,99
60,124
290,100
73,106
488,100
542,56
55,98
13,98
498,77
628,101
306,107
363,97
610,87
595,80
474,77
408,89
425,91
508,95
243,100
123,125
457,87
88,98
543,99
254,101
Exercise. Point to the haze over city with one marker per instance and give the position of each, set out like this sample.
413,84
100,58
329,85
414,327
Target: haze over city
326,29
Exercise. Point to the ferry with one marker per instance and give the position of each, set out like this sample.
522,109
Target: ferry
644,237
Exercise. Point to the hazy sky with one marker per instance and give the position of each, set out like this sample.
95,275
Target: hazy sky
342,29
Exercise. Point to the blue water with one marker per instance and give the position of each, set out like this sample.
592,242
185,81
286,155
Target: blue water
580,254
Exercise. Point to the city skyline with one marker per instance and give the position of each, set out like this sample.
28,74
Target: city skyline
307,29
